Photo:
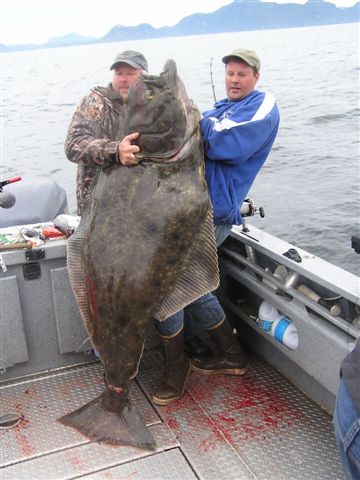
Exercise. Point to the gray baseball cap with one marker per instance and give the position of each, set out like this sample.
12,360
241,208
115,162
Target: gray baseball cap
132,58
247,56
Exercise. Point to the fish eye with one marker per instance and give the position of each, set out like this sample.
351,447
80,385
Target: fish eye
148,94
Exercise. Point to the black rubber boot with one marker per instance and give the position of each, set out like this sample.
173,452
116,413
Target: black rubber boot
195,347
231,359
177,370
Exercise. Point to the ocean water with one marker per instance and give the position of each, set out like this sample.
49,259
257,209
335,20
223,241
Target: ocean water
310,184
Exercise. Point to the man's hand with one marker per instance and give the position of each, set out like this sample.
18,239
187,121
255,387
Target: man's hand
127,150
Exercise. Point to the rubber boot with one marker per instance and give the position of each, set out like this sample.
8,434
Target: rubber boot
177,370
195,347
231,359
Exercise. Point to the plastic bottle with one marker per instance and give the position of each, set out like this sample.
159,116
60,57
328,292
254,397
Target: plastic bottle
278,325
267,315
285,332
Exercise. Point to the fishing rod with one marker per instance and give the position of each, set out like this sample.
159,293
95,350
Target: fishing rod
10,180
7,199
211,78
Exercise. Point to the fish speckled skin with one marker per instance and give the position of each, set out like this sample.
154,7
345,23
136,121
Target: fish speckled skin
144,249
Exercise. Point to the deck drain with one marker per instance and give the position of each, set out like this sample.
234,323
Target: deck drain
9,420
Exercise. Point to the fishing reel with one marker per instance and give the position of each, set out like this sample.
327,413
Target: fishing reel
249,209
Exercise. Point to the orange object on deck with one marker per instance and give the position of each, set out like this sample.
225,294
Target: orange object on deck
52,232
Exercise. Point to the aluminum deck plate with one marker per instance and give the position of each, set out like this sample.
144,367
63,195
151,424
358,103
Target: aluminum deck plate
253,427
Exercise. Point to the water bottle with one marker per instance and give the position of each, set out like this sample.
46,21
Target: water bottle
285,332
267,315
279,326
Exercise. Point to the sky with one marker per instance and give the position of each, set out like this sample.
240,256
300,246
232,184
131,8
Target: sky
35,21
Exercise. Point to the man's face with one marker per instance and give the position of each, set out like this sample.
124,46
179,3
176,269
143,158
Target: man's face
123,77
240,80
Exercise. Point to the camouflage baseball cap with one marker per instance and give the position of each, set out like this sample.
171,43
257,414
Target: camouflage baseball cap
247,56
132,58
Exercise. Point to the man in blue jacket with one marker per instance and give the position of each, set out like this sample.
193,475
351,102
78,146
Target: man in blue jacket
238,134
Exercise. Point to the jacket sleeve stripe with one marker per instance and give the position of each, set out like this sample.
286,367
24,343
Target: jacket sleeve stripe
264,109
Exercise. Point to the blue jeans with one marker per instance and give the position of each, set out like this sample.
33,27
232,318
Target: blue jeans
347,432
206,310
221,233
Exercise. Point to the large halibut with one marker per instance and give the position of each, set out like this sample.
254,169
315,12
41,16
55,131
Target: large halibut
144,249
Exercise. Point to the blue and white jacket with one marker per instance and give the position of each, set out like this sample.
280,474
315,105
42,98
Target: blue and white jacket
237,137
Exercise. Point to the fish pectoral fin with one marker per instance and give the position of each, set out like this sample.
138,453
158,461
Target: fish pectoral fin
115,428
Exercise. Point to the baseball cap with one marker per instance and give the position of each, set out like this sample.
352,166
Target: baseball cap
247,56
132,58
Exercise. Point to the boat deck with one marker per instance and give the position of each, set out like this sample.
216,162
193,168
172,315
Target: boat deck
253,427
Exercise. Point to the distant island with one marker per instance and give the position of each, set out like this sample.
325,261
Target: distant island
240,15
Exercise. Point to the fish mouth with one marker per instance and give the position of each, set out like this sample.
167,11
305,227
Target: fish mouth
167,157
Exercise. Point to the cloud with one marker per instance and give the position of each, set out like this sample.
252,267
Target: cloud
35,21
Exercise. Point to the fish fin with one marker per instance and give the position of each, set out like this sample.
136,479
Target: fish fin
200,276
115,428
75,265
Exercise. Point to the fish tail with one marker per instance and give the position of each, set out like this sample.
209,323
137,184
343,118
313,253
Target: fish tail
111,418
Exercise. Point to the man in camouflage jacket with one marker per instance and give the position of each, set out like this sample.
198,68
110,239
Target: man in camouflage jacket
95,137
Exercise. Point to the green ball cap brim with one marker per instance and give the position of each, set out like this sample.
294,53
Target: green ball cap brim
247,56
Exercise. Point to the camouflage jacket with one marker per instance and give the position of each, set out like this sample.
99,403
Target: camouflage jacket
95,131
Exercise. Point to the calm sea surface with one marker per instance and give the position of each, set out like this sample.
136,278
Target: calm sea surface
309,186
